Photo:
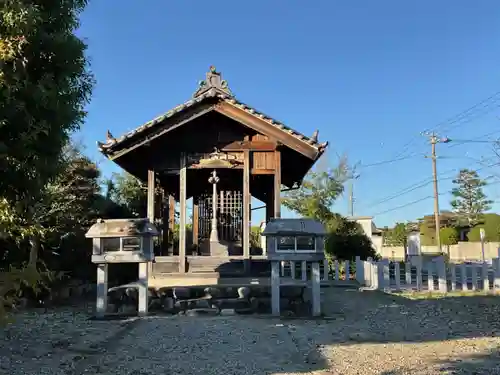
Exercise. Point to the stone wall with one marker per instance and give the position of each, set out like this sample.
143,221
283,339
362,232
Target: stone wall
459,252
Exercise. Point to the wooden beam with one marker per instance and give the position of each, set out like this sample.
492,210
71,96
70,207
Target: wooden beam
263,127
277,184
250,145
246,204
262,171
182,216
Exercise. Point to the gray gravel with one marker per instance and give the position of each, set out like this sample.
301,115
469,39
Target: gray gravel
365,333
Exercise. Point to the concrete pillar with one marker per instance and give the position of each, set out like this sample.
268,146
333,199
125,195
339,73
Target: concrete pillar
316,289
102,290
142,308
275,288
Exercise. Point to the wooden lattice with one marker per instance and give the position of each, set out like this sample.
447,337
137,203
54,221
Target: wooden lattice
229,215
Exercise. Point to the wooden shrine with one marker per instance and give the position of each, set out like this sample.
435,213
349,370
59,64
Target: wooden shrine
219,152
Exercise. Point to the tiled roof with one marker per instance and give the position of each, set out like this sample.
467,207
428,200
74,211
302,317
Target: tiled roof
211,88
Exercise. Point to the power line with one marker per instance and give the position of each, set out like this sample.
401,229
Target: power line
456,142
404,205
489,110
452,120
389,161
425,182
416,201
459,142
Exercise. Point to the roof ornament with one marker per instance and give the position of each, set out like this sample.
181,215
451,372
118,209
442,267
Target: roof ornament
213,81
109,137
110,140
315,135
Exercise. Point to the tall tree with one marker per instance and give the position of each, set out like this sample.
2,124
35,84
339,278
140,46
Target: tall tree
318,192
44,87
397,236
315,199
469,201
129,192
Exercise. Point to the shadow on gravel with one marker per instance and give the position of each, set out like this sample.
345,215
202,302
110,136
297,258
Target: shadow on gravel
264,345
482,364
368,317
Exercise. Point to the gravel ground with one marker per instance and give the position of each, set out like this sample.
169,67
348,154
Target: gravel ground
365,333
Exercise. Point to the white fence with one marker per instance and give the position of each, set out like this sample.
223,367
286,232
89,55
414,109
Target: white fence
435,275
417,275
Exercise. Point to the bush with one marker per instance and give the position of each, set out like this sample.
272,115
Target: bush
346,240
449,236
491,225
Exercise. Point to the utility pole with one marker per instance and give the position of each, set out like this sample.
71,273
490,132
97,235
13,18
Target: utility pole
433,140
351,194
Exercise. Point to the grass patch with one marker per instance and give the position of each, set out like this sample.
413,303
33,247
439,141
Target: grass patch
416,295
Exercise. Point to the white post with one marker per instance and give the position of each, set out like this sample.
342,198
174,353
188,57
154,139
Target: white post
430,277
496,282
419,275
463,276
142,307
326,269
453,272
408,273
263,242
275,288
441,271
486,280
474,277
375,275
368,265
316,289
304,270
292,269
386,275
102,290
282,263
360,271
397,275
336,265
347,271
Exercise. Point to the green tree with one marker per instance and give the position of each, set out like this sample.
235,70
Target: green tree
315,199
491,225
397,236
318,193
448,236
44,86
469,201
129,192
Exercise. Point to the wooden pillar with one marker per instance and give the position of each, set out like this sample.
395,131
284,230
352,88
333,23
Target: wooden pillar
151,196
246,208
165,227
171,220
277,184
151,203
195,222
182,214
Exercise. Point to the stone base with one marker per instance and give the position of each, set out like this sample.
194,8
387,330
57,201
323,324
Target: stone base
219,249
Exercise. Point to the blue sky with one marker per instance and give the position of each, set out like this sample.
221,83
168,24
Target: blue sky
370,75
